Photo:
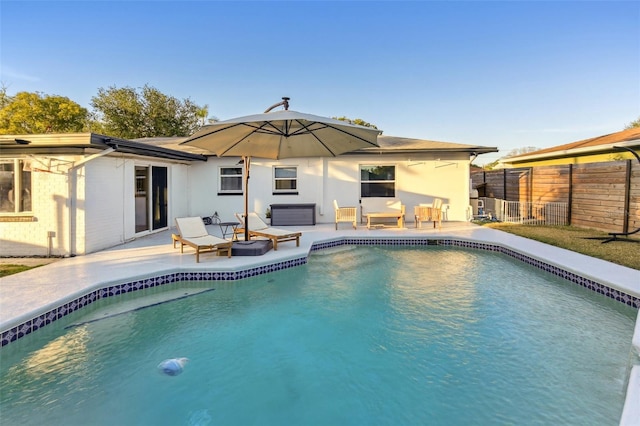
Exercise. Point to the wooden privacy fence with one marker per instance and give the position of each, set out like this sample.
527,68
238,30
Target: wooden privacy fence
604,196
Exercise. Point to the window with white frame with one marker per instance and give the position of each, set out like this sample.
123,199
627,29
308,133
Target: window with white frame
15,186
377,181
230,180
285,180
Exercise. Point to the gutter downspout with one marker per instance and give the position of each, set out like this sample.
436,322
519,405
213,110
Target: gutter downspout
73,196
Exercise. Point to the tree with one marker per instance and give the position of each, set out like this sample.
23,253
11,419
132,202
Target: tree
492,165
514,152
633,124
202,114
5,99
521,151
126,113
30,113
357,121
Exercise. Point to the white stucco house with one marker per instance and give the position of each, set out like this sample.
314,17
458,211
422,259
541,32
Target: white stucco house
73,194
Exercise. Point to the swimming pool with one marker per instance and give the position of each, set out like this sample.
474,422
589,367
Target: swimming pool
359,335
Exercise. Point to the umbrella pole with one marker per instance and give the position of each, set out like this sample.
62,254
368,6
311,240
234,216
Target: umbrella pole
247,165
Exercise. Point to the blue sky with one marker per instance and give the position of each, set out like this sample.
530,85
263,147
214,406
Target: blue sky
509,74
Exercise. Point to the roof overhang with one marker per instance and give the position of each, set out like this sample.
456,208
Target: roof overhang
399,145
86,143
169,148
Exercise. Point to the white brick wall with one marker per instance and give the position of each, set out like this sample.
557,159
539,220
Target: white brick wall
49,210
104,213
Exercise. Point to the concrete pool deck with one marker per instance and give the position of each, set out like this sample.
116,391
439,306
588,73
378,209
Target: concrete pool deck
31,293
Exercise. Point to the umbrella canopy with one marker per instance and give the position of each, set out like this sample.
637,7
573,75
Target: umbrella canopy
281,134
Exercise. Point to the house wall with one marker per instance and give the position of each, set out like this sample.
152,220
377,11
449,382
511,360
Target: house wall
179,181
101,210
419,179
27,234
101,215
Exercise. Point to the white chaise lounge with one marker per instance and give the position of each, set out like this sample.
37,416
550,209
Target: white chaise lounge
193,233
257,228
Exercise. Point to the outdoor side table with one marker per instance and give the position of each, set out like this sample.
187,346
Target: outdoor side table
224,229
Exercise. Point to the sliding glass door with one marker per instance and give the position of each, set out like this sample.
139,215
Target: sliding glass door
151,198
159,197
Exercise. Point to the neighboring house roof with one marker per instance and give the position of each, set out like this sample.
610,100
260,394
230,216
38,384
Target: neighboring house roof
85,143
629,138
388,144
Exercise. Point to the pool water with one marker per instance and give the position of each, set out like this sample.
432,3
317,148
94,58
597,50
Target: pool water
358,336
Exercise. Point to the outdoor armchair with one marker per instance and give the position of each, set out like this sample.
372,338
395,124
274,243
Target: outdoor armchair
345,214
424,213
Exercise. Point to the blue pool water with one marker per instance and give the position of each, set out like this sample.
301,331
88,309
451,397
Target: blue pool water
358,336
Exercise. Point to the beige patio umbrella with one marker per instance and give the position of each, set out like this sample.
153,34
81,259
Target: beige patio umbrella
280,134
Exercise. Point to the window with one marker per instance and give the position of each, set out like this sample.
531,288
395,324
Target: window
285,180
230,180
377,181
141,181
15,186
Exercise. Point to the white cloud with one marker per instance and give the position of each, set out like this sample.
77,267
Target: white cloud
8,73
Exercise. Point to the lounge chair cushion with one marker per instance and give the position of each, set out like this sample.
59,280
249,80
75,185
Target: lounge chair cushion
191,227
257,228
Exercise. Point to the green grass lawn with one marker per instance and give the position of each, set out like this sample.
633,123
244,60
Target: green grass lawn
624,252
9,269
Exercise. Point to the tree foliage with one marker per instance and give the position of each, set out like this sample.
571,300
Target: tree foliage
357,121
492,165
516,151
30,113
126,113
5,99
520,151
633,124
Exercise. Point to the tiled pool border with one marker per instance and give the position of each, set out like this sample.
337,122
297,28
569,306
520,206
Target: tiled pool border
52,315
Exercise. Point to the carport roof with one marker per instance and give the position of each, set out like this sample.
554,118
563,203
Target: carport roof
83,143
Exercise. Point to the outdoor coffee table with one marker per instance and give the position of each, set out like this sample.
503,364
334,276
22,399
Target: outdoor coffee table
370,216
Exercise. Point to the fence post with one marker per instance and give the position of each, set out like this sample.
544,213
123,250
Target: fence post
504,184
627,197
570,200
